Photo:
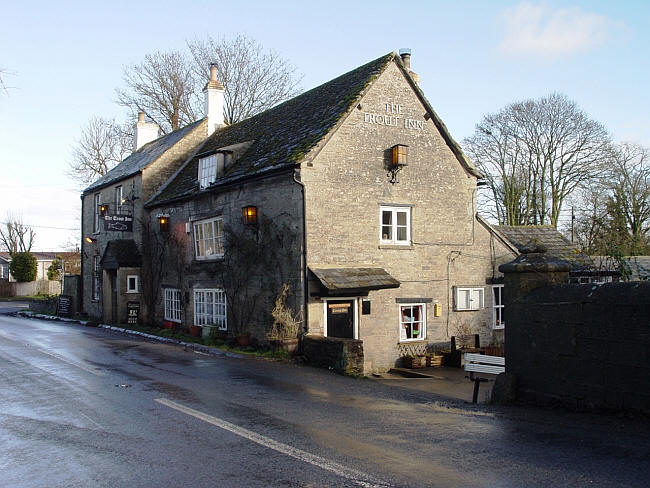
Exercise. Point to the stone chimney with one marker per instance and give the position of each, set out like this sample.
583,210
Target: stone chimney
144,132
405,54
213,106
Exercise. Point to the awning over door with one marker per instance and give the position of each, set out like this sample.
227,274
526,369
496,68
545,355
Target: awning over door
352,281
121,253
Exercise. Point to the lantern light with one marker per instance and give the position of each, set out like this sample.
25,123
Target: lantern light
249,215
163,223
103,209
399,159
90,240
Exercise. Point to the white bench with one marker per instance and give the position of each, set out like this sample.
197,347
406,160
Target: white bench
481,363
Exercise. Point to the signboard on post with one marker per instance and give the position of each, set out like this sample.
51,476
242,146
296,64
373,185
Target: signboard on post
118,223
133,313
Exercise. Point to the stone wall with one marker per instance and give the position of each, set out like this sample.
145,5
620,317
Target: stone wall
40,287
342,355
279,203
346,182
587,346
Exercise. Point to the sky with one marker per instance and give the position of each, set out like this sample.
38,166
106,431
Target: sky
63,61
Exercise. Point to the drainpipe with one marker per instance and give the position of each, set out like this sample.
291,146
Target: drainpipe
304,249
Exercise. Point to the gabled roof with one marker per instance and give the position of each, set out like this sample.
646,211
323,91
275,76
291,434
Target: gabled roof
141,158
121,253
283,135
556,244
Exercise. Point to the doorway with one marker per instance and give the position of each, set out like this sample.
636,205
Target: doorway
340,316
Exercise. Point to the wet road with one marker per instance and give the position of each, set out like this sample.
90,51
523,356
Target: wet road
84,407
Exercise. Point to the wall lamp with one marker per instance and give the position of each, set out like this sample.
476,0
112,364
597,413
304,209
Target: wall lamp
90,240
103,209
249,215
163,223
399,159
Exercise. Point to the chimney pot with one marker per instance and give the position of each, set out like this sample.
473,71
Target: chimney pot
213,104
405,54
140,116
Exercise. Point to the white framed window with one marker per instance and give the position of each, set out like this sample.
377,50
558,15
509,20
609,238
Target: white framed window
96,213
210,307
173,304
210,168
208,238
119,197
497,307
132,284
96,278
466,298
395,225
412,322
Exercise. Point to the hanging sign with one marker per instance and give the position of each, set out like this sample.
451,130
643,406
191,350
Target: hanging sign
118,223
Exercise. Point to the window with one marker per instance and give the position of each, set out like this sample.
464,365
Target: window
497,307
395,225
210,168
132,284
96,278
468,298
173,304
412,322
210,308
208,238
96,213
119,197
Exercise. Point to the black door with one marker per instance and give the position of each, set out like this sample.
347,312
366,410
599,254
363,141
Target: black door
340,318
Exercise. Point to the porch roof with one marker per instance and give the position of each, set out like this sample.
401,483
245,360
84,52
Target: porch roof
346,281
121,253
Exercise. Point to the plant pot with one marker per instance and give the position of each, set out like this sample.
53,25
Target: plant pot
289,345
168,324
416,362
208,331
195,330
243,340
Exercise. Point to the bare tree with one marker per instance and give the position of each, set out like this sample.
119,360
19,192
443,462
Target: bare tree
535,153
615,212
102,145
3,77
629,179
255,79
165,88
15,236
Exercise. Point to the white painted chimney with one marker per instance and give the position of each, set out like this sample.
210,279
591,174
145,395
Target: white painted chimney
145,132
213,106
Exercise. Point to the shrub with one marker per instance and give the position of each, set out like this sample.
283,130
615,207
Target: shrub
23,267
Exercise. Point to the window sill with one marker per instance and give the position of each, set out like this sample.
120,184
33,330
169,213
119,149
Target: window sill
498,327
413,341
132,292
397,246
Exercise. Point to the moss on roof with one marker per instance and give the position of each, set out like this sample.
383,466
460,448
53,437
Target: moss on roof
141,158
555,243
282,135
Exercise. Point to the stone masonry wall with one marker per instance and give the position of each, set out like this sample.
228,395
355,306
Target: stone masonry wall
583,345
347,182
277,198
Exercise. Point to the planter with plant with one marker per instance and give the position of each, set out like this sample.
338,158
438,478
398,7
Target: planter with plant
286,324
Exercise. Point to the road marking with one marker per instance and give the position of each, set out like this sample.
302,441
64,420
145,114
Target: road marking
358,477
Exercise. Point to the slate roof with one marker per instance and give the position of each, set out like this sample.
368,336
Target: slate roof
283,135
556,244
121,253
141,158
344,280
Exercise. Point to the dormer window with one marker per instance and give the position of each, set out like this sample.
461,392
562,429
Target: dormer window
213,167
